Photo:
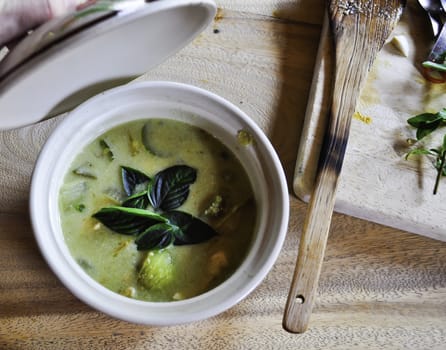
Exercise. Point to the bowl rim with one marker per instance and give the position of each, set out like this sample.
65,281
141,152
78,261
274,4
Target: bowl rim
227,293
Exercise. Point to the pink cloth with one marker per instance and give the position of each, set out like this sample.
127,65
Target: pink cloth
18,16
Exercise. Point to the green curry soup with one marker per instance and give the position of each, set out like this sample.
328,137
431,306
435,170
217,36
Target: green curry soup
215,193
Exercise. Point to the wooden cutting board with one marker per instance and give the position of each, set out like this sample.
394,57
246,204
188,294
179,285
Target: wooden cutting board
377,182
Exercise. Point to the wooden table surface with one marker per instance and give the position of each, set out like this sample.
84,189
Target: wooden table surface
380,288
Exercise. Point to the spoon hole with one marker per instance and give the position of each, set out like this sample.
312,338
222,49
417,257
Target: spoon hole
300,299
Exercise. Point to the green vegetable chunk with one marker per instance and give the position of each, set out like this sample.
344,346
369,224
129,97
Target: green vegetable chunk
157,270
85,170
106,150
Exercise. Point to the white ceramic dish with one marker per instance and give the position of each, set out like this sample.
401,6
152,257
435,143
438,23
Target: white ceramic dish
53,77
168,100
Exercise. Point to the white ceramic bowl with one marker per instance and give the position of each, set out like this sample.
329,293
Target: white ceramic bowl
181,102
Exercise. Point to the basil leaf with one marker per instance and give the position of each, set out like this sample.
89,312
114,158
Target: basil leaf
424,132
138,200
133,180
156,237
426,123
170,187
197,232
192,229
420,151
424,119
427,129
179,218
128,221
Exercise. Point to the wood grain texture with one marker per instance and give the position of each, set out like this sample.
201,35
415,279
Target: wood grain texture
380,288
359,31
19,151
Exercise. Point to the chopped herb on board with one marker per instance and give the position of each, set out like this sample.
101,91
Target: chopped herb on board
426,124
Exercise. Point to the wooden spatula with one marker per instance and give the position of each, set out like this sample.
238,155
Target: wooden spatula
359,30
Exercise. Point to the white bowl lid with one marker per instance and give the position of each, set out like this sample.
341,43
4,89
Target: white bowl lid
67,60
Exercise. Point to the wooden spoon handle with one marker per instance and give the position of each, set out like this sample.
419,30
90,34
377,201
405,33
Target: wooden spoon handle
347,84
316,229
359,31
320,209
311,254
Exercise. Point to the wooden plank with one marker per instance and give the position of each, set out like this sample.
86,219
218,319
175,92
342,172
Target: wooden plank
379,289
304,11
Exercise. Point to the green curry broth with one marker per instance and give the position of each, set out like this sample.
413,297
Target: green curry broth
111,258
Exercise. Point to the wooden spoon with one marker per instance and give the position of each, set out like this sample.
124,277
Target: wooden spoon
359,30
